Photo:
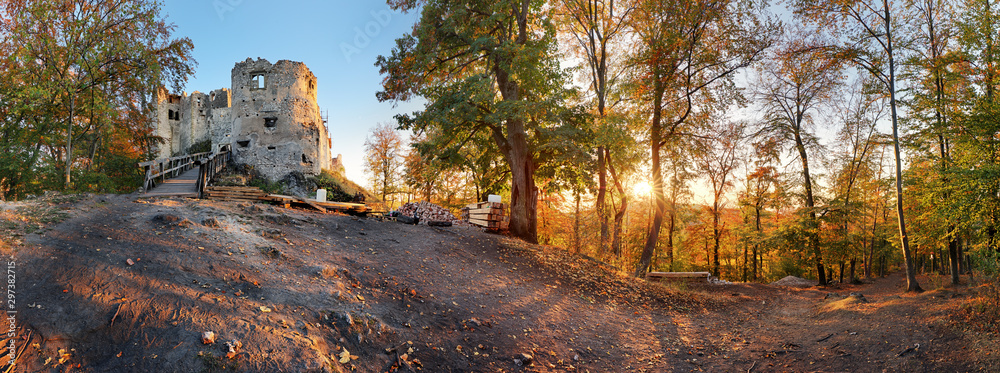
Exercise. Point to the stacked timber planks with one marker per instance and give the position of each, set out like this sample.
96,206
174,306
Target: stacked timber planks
235,193
489,215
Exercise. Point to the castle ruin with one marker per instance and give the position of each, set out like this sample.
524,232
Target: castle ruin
269,118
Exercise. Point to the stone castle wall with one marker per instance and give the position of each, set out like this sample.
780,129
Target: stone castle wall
269,118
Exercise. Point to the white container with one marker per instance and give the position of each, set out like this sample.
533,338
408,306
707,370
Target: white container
493,198
321,195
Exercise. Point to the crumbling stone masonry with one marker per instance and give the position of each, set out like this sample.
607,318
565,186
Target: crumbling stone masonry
269,118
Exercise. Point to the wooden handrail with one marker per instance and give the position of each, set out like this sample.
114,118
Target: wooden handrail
164,167
209,167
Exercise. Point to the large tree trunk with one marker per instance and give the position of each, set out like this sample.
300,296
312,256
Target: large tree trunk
576,224
69,141
523,218
716,236
756,243
671,226
523,194
810,204
911,275
657,177
602,189
942,121
616,242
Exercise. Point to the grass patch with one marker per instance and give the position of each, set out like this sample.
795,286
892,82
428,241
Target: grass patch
339,188
36,218
246,175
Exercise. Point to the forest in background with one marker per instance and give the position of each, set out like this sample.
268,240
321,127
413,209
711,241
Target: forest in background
833,139
840,140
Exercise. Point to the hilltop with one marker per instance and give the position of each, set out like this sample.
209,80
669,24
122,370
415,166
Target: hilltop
113,283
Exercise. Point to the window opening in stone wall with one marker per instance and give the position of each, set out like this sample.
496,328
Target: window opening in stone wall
270,122
257,81
243,143
270,147
304,159
171,115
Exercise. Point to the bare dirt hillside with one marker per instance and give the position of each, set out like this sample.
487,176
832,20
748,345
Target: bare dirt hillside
116,284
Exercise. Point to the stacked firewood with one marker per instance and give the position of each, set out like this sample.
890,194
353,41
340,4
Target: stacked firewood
427,212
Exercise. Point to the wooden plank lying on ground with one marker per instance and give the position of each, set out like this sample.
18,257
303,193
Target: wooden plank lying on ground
314,205
322,206
342,205
678,276
288,199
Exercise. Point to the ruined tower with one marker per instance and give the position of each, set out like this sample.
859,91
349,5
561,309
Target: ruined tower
276,123
269,118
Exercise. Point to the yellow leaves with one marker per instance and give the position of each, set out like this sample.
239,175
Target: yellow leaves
63,356
346,357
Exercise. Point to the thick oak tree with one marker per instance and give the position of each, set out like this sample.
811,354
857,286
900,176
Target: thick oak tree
483,67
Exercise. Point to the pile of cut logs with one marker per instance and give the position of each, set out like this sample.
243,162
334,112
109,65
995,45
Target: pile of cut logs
427,212
235,193
489,215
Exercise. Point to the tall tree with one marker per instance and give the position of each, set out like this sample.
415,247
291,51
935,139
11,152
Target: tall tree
868,37
595,25
384,159
422,171
79,71
801,78
761,182
680,176
854,167
483,67
974,185
718,161
685,49
934,99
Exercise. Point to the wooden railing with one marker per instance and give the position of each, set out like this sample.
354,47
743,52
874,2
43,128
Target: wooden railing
210,166
165,168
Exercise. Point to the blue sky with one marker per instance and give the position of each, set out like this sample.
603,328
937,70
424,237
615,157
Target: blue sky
337,40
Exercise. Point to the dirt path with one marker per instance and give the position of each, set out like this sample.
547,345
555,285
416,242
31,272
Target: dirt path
112,284
777,329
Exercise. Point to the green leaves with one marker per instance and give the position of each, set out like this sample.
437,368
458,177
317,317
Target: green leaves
487,70
102,59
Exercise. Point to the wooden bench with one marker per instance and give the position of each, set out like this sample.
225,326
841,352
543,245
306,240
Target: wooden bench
678,276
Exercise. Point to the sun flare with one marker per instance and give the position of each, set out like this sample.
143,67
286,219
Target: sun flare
642,188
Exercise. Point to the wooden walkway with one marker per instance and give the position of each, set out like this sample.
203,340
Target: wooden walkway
184,185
